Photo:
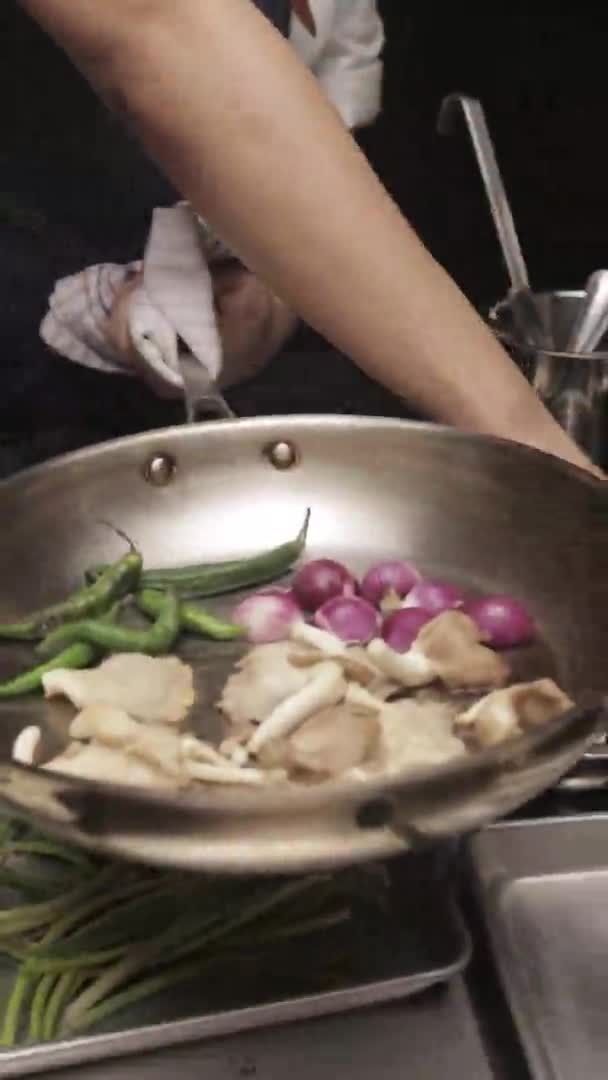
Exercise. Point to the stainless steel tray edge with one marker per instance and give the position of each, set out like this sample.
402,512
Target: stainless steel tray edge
488,878
45,1058
539,1065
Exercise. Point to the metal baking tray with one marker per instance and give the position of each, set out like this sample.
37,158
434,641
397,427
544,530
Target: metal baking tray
421,941
431,1036
591,772
543,887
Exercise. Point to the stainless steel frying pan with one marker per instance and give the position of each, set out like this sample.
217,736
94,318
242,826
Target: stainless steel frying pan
490,515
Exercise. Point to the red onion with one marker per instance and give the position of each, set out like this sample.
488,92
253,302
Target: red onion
277,590
435,597
350,618
401,628
321,580
267,616
388,579
503,620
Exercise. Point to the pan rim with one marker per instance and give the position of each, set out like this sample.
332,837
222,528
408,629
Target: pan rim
259,802
303,422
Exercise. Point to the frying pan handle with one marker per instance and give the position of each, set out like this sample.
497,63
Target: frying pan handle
202,398
208,408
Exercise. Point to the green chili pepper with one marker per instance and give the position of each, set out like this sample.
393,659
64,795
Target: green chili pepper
214,579
157,639
79,655
192,617
116,581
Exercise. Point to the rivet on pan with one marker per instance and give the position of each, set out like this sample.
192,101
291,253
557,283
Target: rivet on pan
282,455
375,815
160,470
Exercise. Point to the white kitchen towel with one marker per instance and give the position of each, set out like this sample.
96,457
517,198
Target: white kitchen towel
76,324
175,299
172,305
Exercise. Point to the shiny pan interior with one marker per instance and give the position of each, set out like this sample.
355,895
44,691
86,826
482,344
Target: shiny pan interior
483,513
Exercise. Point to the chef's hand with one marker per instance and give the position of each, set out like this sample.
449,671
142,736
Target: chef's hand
253,323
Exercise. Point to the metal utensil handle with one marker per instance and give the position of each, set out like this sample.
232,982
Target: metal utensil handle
592,321
200,392
490,173
530,324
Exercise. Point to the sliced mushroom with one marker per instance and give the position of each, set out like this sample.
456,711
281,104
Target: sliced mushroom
93,761
334,740
26,745
234,747
391,601
107,724
353,662
540,703
238,737
319,640
263,679
274,755
448,648
199,750
362,700
160,747
155,689
156,744
506,713
231,775
380,686
452,644
411,669
413,735
325,686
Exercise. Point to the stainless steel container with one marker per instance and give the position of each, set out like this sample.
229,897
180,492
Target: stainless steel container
573,386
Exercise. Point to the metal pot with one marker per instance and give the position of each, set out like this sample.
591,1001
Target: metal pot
490,514
573,386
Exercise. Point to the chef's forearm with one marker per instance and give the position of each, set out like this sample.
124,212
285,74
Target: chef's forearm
243,130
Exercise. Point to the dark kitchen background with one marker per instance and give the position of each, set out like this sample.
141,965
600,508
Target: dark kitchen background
74,189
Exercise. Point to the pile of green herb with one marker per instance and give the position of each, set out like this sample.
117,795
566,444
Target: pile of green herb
90,937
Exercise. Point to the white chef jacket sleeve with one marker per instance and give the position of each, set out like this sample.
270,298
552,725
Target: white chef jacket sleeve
349,66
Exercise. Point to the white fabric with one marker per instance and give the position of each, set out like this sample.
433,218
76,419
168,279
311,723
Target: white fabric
76,324
175,299
345,55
